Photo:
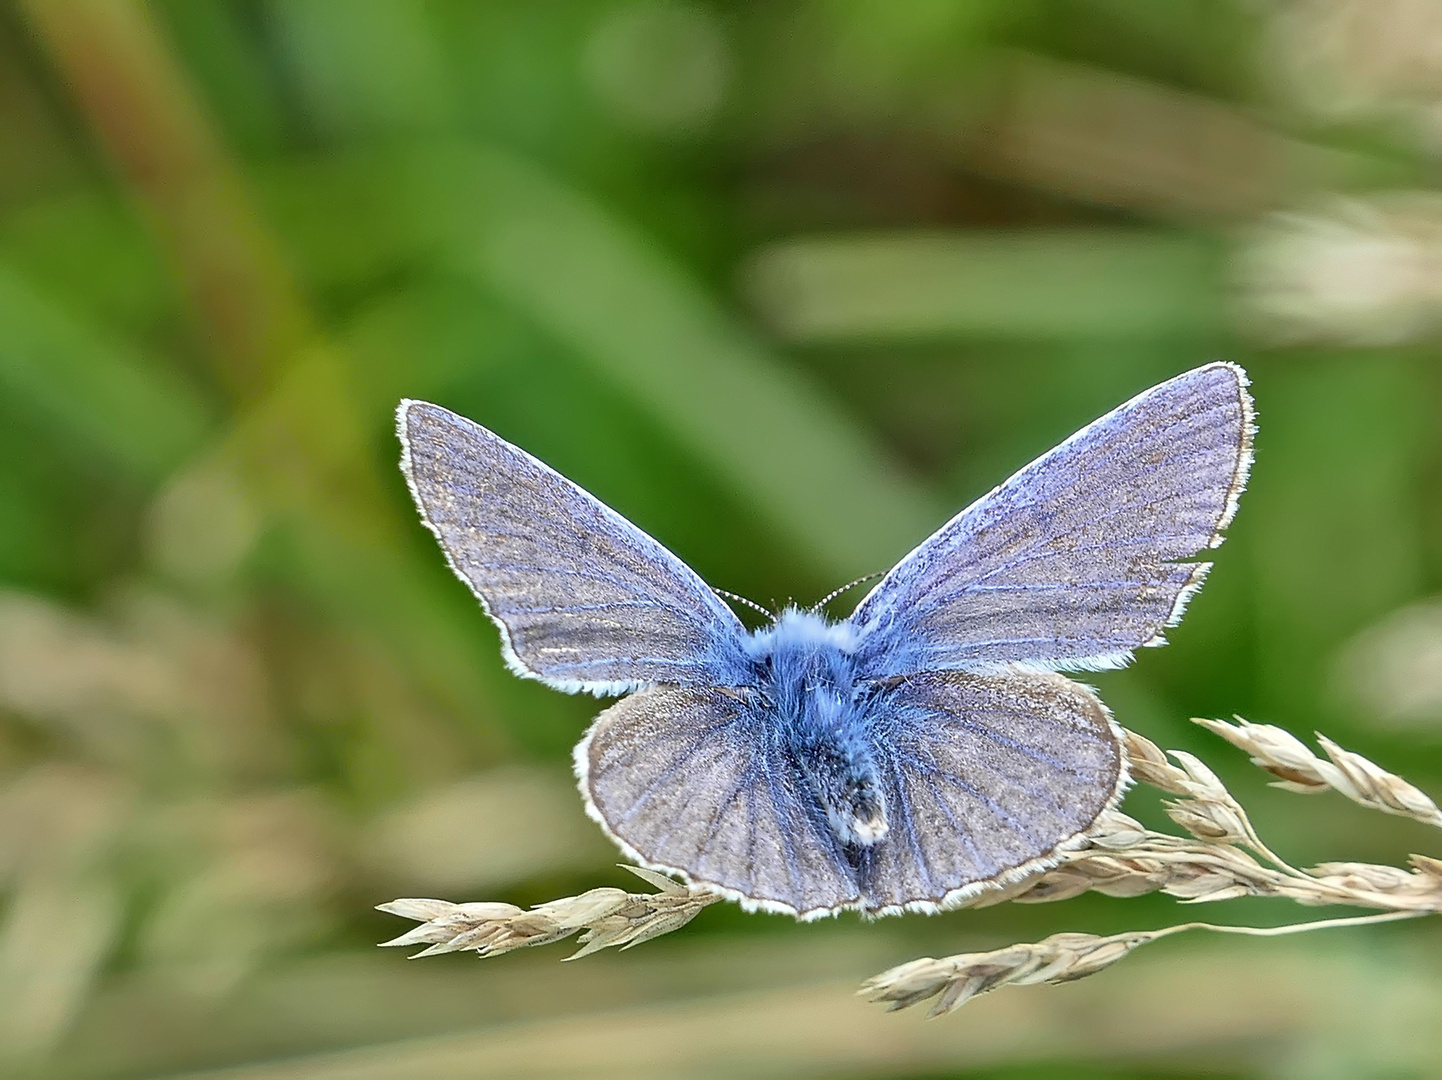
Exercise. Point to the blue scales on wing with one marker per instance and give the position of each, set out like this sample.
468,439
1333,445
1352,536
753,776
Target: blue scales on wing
1081,557
585,600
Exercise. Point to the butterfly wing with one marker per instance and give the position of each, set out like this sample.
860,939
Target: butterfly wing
584,599
695,782
986,778
1074,561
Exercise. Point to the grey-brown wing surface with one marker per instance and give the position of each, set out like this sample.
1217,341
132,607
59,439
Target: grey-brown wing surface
584,599
985,778
695,782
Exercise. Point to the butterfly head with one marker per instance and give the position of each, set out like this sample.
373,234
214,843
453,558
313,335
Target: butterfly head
798,631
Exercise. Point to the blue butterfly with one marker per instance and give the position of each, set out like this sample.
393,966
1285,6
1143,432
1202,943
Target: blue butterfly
905,759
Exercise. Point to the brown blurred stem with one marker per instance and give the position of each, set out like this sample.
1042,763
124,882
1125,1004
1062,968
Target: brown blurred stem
147,116
298,437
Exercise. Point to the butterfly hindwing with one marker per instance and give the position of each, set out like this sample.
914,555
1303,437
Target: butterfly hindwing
699,782
1077,559
584,599
987,778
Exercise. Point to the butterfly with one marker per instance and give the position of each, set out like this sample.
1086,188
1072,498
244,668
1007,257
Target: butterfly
904,759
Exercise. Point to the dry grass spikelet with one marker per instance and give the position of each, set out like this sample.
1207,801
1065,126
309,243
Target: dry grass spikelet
955,980
604,918
1298,769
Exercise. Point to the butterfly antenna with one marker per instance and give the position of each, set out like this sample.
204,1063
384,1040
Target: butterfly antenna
834,593
742,600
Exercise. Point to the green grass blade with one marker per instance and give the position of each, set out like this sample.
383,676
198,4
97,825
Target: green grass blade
139,416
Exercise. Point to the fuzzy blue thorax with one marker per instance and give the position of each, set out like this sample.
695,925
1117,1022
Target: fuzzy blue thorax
808,679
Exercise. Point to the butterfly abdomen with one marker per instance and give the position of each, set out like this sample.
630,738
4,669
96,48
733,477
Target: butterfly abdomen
834,752
810,684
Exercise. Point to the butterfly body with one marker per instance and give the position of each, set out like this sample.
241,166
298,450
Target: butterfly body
809,691
904,759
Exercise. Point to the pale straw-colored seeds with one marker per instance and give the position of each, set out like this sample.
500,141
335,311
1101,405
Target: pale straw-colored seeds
603,917
1220,857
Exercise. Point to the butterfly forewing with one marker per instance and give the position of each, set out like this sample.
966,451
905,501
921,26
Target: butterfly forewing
986,777
699,783
1076,560
585,600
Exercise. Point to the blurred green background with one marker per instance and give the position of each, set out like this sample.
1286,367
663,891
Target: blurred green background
785,282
